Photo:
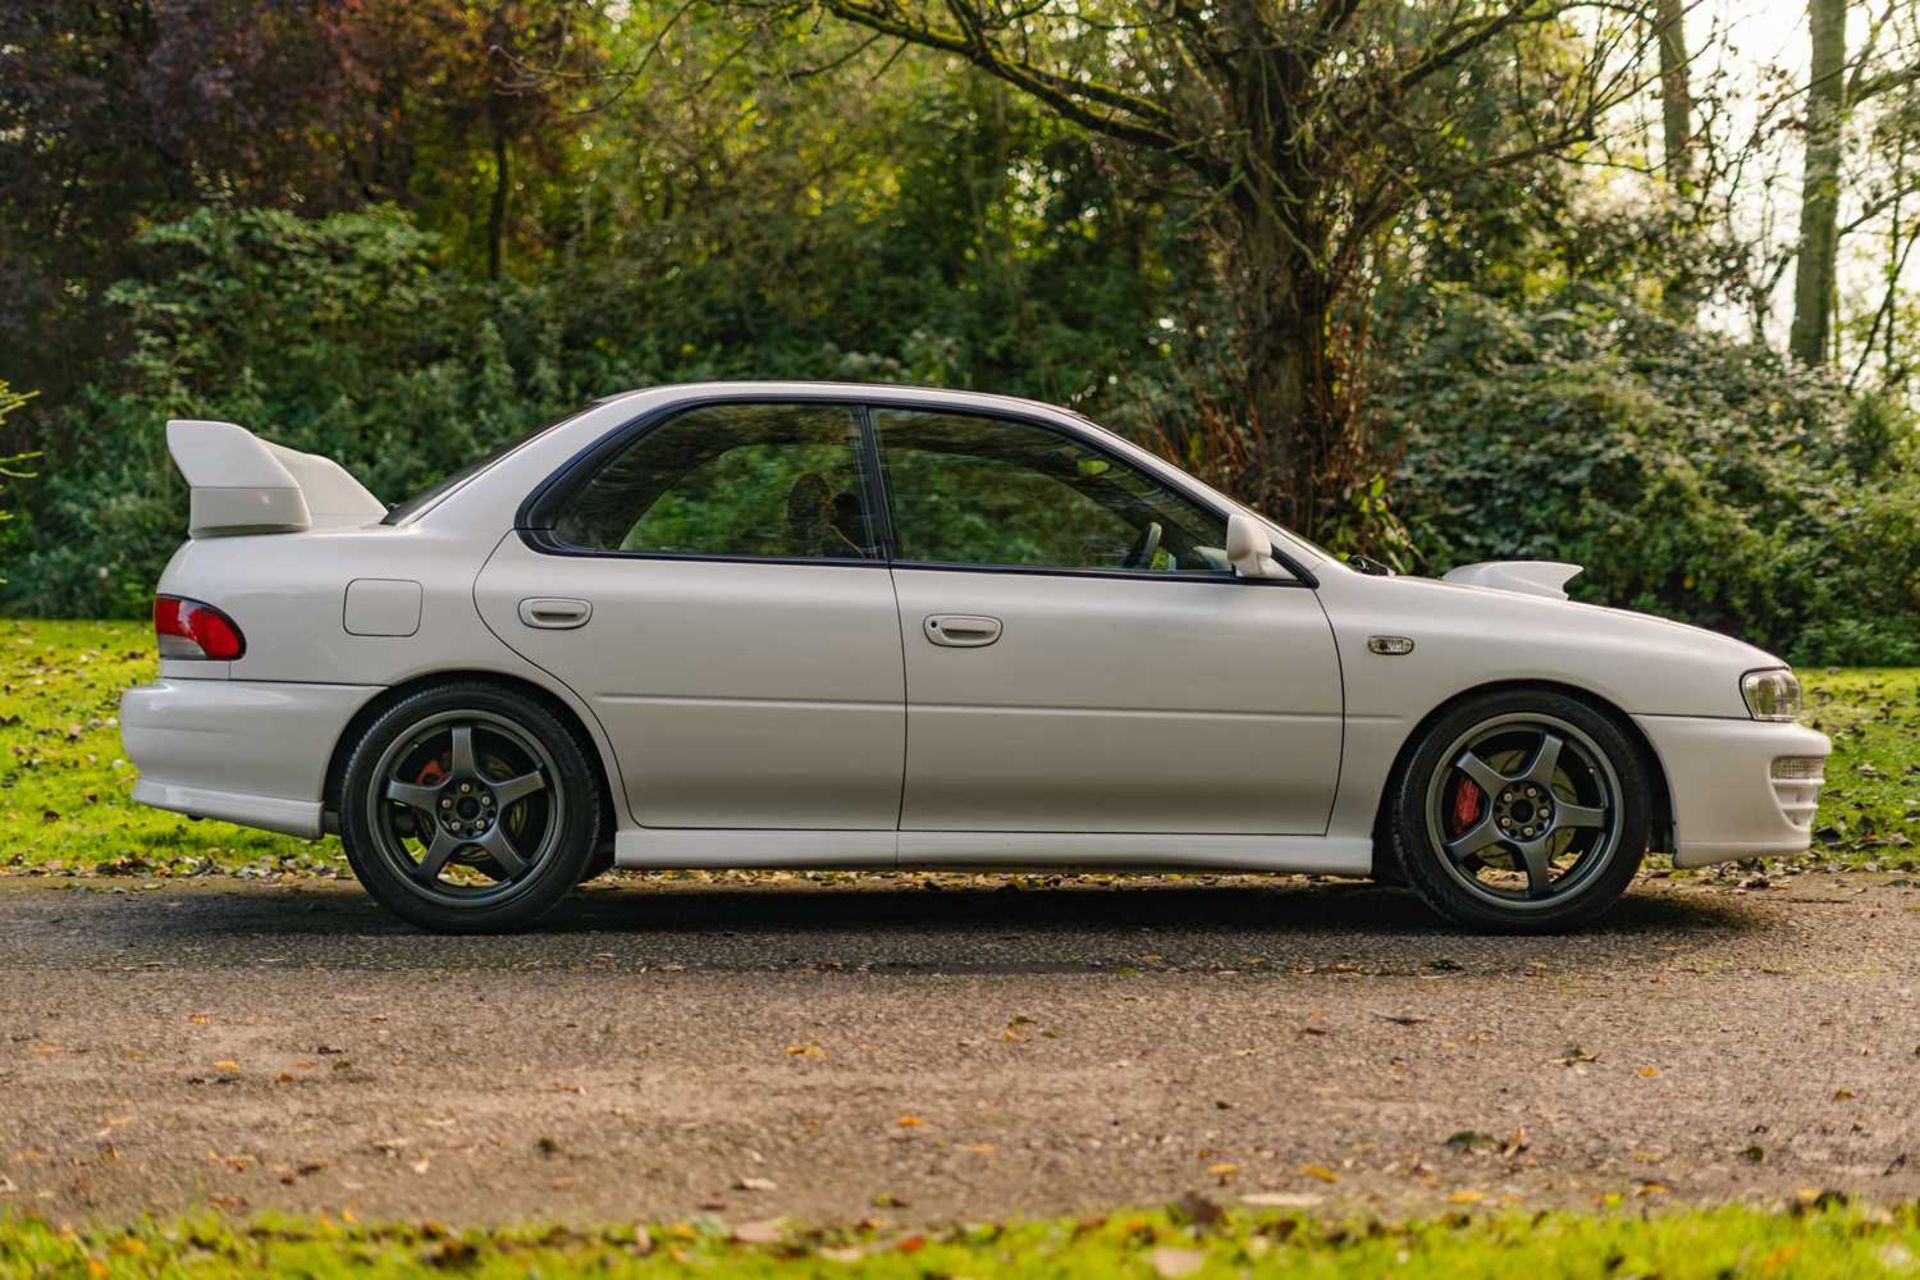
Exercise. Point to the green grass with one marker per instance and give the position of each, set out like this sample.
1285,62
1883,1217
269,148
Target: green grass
1871,804
64,783
1830,1240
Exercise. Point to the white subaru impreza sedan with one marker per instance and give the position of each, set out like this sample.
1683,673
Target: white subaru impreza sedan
816,625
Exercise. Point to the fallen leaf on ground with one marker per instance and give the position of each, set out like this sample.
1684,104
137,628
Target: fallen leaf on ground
1173,1263
1319,1171
1282,1200
771,1231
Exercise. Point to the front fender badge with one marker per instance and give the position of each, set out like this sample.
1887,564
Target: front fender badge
1390,646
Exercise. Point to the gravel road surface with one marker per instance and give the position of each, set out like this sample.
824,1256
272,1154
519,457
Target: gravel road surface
880,1048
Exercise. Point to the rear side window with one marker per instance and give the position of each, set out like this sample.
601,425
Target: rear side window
782,481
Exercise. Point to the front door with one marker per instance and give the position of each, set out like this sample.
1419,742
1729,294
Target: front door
1079,657
718,596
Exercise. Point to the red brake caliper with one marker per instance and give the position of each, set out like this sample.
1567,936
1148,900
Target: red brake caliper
1466,804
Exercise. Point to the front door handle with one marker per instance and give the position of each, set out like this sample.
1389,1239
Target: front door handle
551,614
961,630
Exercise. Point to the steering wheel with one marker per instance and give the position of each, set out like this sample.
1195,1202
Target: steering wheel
1140,555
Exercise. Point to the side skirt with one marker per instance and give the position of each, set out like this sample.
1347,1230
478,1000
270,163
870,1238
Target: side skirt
657,848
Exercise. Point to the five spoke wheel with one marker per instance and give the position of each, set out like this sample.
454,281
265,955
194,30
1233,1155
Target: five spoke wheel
470,807
469,792
1534,815
1522,810
464,808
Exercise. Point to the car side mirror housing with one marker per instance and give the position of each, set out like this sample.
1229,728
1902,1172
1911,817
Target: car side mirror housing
1250,550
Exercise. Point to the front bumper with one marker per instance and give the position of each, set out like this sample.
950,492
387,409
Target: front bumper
248,751
1726,802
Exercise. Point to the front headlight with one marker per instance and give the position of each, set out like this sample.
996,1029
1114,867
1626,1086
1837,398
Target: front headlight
1771,695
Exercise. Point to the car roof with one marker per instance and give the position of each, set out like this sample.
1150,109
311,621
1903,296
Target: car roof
869,392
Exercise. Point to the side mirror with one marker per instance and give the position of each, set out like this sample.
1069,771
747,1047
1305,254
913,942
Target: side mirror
1250,550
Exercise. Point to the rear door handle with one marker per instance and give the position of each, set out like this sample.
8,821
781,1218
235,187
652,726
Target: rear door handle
961,630
551,614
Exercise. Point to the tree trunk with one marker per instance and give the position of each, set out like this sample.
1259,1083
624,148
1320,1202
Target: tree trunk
497,211
1280,295
1814,271
1676,96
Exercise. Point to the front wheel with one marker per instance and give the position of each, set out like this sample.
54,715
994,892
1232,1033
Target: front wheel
469,808
1521,812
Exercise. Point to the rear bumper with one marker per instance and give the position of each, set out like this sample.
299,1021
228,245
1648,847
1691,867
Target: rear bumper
247,751
1726,802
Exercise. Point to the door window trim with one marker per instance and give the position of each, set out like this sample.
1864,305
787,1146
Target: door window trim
534,520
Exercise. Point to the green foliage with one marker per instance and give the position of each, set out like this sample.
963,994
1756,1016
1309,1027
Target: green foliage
339,337
1828,1240
10,467
64,784
1694,476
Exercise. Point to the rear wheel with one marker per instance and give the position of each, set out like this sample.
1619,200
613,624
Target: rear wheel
1522,811
469,808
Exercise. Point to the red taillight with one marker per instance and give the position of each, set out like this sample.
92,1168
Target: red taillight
190,629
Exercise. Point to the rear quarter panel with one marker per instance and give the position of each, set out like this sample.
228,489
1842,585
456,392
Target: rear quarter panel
288,593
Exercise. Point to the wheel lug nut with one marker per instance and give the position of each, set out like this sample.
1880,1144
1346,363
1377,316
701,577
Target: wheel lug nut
465,787
486,799
446,802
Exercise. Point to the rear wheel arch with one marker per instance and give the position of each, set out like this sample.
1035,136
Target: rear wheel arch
1661,800
357,727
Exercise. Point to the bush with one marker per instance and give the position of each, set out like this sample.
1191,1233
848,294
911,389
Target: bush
10,468
351,336
338,337
1696,477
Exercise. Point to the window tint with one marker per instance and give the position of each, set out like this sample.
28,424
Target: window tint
987,491
779,480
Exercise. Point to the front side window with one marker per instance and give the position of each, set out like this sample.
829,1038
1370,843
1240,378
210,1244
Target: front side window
974,490
756,480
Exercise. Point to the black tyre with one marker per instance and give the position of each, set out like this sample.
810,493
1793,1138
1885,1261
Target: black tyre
469,808
1525,811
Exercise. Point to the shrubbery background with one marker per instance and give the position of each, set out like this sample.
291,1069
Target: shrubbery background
1695,476
379,238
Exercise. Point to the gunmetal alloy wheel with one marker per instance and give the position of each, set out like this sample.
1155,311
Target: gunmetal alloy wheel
469,808
465,809
1522,811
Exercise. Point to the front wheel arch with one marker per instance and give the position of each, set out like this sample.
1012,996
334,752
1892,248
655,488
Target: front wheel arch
1385,865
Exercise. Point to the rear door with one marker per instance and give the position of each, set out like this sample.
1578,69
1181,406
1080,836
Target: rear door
1079,658
717,593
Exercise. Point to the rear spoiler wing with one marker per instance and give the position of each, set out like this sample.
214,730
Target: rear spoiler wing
243,484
